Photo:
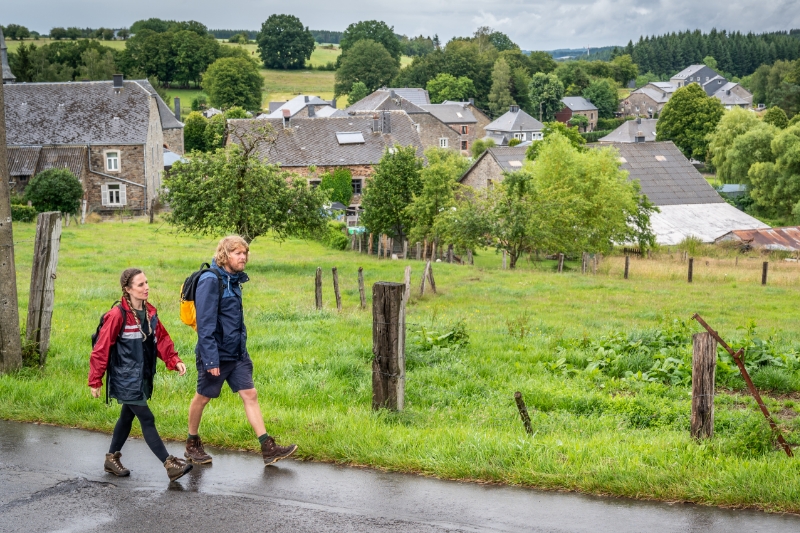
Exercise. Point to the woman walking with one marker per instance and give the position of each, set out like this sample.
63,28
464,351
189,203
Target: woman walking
127,345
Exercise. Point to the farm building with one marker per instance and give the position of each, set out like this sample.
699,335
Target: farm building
783,239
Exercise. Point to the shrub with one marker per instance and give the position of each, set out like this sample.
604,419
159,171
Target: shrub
93,218
334,236
514,142
609,123
339,185
55,189
22,213
594,136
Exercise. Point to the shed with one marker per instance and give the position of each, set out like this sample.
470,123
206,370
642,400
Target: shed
785,239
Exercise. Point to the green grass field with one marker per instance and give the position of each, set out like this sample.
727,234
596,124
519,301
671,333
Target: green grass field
13,45
531,330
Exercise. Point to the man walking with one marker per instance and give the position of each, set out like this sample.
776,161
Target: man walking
222,349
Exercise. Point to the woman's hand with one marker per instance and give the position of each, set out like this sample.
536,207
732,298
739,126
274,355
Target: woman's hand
95,392
181,368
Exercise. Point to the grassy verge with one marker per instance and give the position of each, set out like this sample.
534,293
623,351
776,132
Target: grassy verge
575,345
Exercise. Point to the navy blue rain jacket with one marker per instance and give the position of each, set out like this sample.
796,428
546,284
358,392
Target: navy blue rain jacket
221,333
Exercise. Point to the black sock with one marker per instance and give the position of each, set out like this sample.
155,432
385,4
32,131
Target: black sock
194,436
263,438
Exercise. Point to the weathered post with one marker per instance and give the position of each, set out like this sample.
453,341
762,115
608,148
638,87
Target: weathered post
764,268
419,252
380,242
83,211
469,256
504,260
433,251
560,263
425,249
361,287
450,253
336,289
152,210
594,265
353,242
318,288
431,280
424,275
407,282
691,267
523,412
584,259
388,346
43,281
704,366
405,248
627,265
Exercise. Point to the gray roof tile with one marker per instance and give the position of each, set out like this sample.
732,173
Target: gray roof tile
578,103
451,113
381,100
514,121
626,132
414,95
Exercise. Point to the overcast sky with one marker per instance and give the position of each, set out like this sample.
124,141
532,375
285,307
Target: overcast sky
541,25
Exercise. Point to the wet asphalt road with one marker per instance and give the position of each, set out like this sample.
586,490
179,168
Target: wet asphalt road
52,479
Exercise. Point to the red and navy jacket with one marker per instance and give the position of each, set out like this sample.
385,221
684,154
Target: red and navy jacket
120,350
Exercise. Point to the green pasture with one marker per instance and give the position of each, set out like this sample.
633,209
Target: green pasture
530,330
13,45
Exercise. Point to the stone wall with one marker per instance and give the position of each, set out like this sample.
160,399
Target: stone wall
131,169
481,172
640,104
154,153
173,138
362,172
431,129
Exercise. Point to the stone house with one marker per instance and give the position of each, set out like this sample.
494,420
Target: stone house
311,146
699,74
637,130
303,104
514,124
459,118
648,101
578,106
490,167
111,134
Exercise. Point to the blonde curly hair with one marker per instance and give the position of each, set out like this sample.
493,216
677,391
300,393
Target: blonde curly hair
228,245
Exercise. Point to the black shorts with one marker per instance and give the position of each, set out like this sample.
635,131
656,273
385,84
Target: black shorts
238,374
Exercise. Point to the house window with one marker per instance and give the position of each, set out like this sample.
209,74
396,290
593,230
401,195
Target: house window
520,136
706,78
464,130
489,184
112,161
443,142
637,108
416,126
314,183
356,186
113,194
464,145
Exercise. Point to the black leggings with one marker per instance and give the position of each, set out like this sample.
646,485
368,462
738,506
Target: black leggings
149,431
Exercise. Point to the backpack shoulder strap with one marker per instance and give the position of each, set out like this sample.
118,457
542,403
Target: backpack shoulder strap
118,305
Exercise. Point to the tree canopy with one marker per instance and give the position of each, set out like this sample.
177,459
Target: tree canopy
687,120
55,189
570,133
234,81
338,184
776,116
776,185
368,62
284,43
448,87
358,91
603,94
546,92
500,95
374,30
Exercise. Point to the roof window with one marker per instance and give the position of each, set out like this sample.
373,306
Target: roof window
660,158
350,137
515,163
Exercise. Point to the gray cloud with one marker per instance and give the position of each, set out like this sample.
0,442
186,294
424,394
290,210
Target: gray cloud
540,25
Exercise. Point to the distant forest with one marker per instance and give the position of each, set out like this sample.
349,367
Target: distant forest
736,54
602,53
320,36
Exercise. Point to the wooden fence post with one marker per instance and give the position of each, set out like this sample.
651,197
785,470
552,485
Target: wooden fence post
425,249
691,267
627,265
764,268
152,210
369,245
424,275
361,287
523,412
318,288
594,265
430,279
83,211
469,256
405,248
43,281
407,282
560,263
584,259
388,346
433,251
336,289
504,260
449,253
419,252
380,243
704,365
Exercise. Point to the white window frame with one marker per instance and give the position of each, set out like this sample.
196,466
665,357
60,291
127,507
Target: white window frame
108,159
114,194
520,136
443,142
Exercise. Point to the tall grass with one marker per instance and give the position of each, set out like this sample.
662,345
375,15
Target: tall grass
596,432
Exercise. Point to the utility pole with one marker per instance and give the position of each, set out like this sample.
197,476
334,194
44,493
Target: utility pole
10,346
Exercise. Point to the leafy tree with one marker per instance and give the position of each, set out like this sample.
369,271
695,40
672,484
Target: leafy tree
777,185
646,78
776,116
373,30
156,25
687,120
216,132
500,96
231,190
200,103
579,121
480,146
16,32
194,132
368,62
546,92
193,55
284,43
58,33
22,62
448,87
123,34
395,183
234,81
734,123
236,112
439,182
541,62
624,69
55,189
502,42
74,33
754,146
338,184
97,67
358,91
710,62
603,94
552,128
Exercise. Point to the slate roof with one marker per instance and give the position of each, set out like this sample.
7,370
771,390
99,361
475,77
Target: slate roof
7,75
728,97
451,113
688,71
626,132
382,100
578,103
31,160
414,95
295,105
329,111
660,97
664,85
313,141
509,158
514,121
665,175
77,113
168,119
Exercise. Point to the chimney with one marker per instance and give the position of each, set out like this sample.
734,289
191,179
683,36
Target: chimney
514,109
639,137
311,111
333,103
306,99
178,109
387,122
471,101
392,94
376,123
728,92
638,120
117,83
287,115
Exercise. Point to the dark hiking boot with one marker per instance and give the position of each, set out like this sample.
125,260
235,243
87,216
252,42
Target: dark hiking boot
273,453
195,453
176,468
113,465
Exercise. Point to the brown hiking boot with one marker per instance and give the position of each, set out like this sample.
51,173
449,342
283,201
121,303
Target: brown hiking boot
195,453
176,468
273,453
113,465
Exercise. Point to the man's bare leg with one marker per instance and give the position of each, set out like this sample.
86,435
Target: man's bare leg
252,410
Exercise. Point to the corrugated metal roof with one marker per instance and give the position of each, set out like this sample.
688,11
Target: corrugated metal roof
706,222
787,239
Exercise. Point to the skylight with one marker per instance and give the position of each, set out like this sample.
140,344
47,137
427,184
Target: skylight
660,158
350,137
515,163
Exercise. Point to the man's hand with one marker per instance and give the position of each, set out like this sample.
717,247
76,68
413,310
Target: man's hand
181,368
95,392
214,371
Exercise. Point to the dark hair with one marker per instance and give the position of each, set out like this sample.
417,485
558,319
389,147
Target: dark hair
125,281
